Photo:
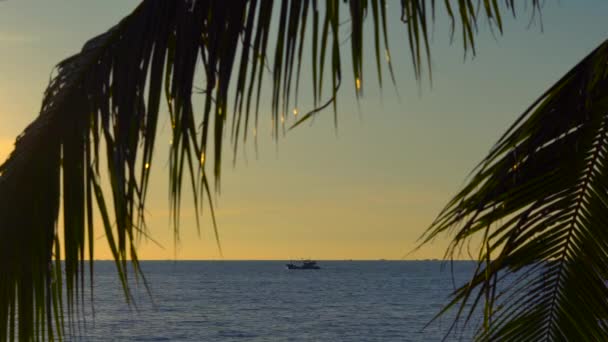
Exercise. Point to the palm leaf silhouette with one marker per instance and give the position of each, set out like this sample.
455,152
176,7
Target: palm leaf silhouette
540,202
106,100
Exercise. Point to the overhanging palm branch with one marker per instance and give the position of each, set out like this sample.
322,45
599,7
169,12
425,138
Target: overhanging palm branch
539,201
110,94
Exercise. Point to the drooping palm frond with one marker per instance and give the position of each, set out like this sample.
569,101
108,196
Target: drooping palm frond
110,93
540,203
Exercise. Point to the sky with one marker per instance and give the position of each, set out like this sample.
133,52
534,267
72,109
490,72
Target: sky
367,190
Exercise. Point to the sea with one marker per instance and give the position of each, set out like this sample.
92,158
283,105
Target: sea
264,301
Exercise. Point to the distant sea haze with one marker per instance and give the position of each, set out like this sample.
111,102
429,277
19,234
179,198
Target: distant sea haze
263,301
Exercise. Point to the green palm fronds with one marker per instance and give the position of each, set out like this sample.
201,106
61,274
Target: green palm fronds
110,94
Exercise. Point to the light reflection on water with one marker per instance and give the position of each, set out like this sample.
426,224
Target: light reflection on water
263,301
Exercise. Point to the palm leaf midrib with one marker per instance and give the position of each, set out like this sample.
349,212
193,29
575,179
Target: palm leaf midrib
581,189
588,174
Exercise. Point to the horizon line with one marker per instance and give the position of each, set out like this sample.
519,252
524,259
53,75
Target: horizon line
353,259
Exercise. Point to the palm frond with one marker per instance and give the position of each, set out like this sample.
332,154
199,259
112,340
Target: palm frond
110,93
540,202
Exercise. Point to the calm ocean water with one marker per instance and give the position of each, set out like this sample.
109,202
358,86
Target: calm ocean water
263,301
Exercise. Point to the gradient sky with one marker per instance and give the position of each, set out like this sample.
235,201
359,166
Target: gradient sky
365,191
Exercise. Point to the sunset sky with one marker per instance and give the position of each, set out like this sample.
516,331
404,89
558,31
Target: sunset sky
365,191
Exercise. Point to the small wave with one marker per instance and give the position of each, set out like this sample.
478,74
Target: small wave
235,333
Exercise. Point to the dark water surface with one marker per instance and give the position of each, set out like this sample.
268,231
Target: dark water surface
263,301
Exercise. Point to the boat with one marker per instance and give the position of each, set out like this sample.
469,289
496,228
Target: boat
306,265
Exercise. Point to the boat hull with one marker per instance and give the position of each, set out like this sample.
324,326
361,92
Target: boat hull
296,267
